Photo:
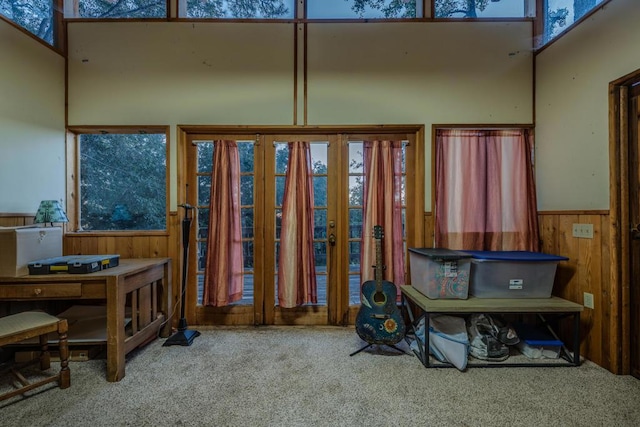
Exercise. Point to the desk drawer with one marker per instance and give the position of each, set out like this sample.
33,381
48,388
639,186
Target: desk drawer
35,291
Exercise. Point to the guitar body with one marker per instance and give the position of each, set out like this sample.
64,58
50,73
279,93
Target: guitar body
379,320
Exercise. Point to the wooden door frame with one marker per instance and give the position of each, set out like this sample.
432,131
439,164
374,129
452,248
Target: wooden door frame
619,224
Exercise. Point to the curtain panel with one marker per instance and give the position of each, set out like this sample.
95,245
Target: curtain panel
224,271
296,262
485,190
383,206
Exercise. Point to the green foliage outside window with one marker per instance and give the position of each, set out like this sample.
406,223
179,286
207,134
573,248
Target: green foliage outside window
36,16
122,9
240,9
123,182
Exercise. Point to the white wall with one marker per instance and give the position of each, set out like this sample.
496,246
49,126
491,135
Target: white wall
572,107
243,74
32,132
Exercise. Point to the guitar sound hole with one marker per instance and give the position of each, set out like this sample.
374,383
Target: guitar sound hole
379,298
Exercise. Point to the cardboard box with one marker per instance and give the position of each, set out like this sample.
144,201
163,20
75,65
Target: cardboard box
440,273
21,245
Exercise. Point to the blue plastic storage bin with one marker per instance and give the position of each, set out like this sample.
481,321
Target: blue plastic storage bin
512,274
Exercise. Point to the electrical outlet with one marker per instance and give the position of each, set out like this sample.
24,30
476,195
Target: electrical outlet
588,300
583,231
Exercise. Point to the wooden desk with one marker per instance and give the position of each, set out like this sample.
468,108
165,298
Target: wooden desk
412,298
142,284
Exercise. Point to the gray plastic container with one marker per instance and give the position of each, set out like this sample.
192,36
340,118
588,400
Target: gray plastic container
512,274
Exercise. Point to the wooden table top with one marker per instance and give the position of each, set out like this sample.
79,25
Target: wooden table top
490,305
125,266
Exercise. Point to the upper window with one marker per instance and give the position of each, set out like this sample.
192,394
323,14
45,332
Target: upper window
108,9
481,8
560,14
36,16
123,180
363,9
238,9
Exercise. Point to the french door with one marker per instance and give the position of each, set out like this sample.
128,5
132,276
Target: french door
338,182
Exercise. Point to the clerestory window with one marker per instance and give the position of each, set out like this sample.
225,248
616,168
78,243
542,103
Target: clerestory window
35,16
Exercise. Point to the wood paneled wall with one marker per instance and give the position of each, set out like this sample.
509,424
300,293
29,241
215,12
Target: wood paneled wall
586,271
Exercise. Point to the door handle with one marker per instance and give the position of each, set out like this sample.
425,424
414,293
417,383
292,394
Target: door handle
635,232
332,239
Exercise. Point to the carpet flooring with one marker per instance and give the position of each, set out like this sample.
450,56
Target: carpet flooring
304,376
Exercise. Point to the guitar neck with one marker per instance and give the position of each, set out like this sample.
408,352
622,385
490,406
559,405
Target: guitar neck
378,267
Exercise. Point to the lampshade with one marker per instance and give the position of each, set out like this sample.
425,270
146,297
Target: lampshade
50,211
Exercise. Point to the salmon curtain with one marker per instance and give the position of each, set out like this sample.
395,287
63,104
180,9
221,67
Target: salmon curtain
383,206
296,264
224,275
485,190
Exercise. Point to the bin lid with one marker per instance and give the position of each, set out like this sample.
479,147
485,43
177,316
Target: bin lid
525,256
440,253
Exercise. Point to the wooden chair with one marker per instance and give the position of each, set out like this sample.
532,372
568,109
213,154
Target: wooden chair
18,327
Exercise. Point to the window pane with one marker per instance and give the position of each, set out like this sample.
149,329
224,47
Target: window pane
101,9
355,223
320,252
35,16
205,156
204,190
282,157
247,222
363,9
123,181
245,151
319,223
240,9
354,256
319,191
480,8
246,190
562,13
203,222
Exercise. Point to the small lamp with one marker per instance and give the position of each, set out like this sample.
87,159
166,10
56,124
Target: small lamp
50,211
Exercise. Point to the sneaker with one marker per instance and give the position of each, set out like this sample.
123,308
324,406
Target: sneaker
502,331
483,343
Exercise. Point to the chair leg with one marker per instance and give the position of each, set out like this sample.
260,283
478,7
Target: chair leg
45,357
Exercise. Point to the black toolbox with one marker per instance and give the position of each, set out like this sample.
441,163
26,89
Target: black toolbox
74,264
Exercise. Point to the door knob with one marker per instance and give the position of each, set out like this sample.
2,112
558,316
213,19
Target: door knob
332,239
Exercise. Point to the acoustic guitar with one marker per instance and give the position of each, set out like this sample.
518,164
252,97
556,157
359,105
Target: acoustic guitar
379,320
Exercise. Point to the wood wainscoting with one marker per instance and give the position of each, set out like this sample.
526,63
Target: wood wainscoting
588,270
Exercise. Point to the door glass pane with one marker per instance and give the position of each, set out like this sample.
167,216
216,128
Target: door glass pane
246,190
205,156
246,218
320,224
282,157
355,223
320,191
203,222
204,189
